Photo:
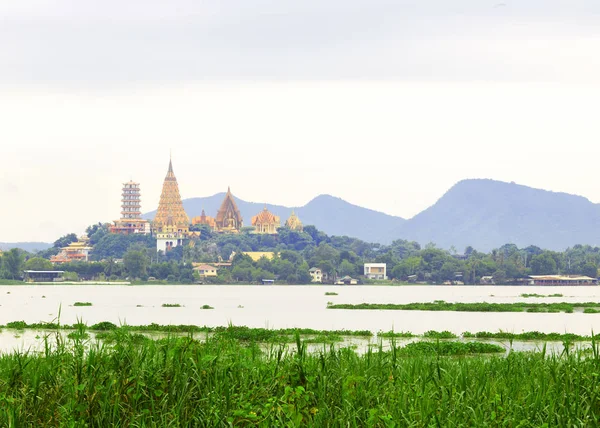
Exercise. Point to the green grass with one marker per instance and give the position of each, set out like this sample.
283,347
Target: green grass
206,307
440,305
171,305
331,293
222,382
82,304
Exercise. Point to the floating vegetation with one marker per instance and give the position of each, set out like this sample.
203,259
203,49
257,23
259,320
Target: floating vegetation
440,305
450,348
391,334
206,307
78,335
82,304
240,307
439,335
541,295
171,305
331,293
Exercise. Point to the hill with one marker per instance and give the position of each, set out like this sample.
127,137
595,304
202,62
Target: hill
332,215
487,214
27,246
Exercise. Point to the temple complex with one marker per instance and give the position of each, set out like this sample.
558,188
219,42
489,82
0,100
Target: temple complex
229,218
77,251
131,216
266,222
294,223
171,224
205,220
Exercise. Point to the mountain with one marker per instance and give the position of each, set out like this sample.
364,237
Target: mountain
484,214
332,215
487,214
27,246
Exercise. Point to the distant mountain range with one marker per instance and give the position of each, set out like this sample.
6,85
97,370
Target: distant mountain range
27,246
332,215
487,214
484,214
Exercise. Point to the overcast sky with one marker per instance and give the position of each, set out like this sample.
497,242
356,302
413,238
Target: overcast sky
386,104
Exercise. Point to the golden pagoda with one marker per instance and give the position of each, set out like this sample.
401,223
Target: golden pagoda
206,220
266,222
170,216
229,218
294,223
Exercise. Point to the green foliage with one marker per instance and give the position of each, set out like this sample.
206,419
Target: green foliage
440,305
12,263
178,381
82,304
136,263
38,263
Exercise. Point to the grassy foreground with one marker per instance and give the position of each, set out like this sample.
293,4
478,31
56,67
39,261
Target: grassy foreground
440,305
221,383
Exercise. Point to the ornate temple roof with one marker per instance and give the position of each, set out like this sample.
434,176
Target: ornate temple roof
265,217
229,210
294,222
170,208
204,219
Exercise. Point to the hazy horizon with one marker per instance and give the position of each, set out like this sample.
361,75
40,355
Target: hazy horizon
385,104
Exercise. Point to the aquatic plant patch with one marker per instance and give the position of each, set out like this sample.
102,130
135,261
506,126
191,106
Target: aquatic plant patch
440,305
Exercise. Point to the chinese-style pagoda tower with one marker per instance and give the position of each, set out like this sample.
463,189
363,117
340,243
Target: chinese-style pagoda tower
229,219
170,215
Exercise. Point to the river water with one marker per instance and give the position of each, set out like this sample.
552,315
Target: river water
292,306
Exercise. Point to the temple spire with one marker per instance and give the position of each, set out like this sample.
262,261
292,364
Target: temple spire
170,207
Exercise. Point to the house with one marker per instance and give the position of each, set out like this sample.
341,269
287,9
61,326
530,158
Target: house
255,255
43,275
487,280
562,280
316,274
346,281
205,270
375,270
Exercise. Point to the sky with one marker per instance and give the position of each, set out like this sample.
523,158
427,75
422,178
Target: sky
384,103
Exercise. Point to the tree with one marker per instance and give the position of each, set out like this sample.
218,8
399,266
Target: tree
63,241
38,263
499,277
12,262
590,269
347,268
136,263
543,264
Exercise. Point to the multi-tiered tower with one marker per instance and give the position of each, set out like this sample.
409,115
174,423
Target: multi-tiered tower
171,224
131,202
229,219
131,215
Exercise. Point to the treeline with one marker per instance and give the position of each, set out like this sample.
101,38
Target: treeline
134,257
